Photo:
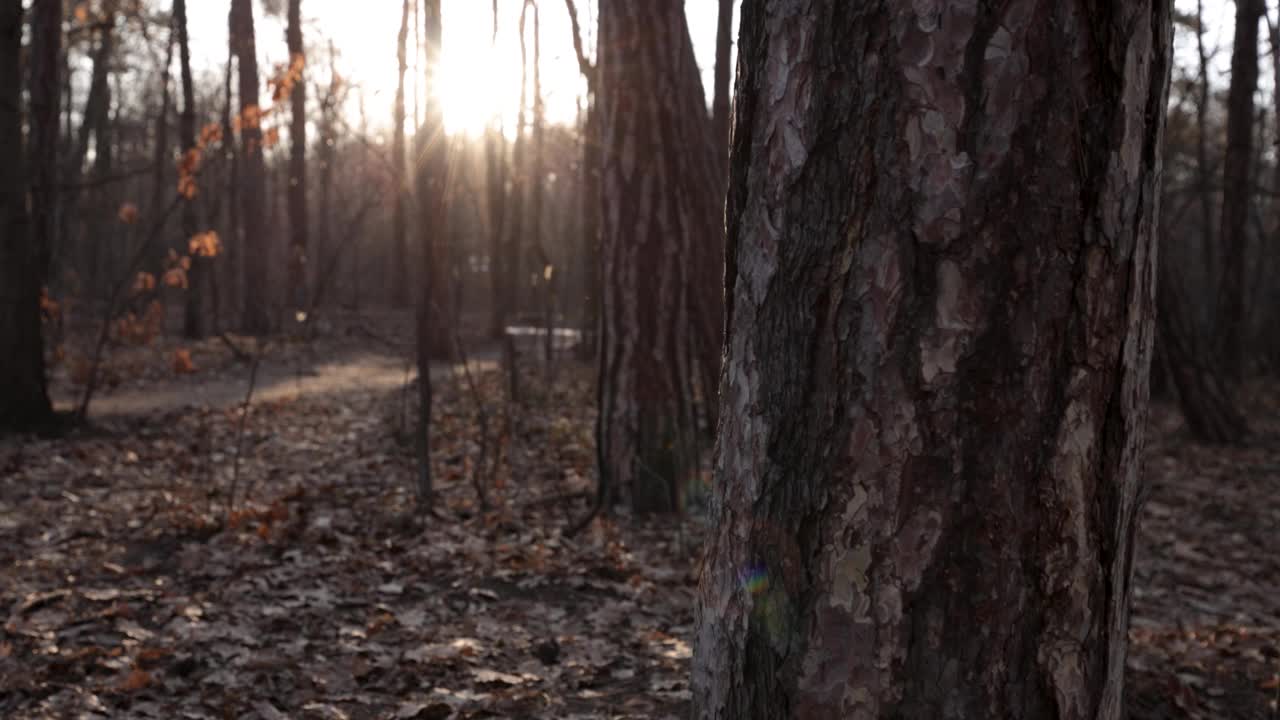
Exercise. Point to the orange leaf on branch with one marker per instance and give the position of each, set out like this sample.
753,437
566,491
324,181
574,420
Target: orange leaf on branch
182,362
205,244
128,213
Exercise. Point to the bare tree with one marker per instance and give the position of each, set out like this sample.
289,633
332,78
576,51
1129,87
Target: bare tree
431,327
723,75
1237,187
194,322
942,277
255,315
24,400
299,236
591,159
399,232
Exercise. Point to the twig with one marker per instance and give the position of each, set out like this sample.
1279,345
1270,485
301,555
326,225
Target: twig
95,364
244,421
482,417
236,350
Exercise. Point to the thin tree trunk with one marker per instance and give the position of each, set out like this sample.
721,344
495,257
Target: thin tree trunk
432,204
328,156
720,97
1273,288
497,175
162,158
256,317
193,320
24,399
1236,190
942,277
513,250
591,160
1204,180
233,263
299,236
662,251
399,233
547,270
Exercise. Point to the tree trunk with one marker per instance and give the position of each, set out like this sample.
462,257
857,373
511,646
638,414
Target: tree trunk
591,159
193,320
542,262
399,233
24,399
497,175
433,338
299,240
1236,188
720,97
941,253
1204,181
661,248
1203,397
233,262
256,316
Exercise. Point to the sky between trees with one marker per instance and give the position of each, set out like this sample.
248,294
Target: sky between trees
478,81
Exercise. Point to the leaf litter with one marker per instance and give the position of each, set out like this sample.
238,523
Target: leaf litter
129,590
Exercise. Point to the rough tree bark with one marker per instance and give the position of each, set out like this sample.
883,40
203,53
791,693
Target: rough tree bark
941,252
399,232
24,399
496,176
433,337
255,318
1236,187
661,248
299,240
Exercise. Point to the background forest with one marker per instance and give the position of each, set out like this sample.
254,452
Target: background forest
369,378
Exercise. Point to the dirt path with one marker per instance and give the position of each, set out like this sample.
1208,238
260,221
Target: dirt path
373,370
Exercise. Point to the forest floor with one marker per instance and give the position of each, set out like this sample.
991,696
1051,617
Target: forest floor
180,558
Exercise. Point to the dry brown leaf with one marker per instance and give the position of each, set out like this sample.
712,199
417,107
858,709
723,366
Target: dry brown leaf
137,679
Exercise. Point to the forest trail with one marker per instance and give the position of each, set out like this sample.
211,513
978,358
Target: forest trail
277,379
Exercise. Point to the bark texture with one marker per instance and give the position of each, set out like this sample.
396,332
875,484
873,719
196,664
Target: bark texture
1237,186
942,277
24,400
256,318
662,250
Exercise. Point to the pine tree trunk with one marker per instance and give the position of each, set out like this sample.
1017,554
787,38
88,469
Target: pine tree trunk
942,277
299,236
255,248
660,245
24,400
1236,187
